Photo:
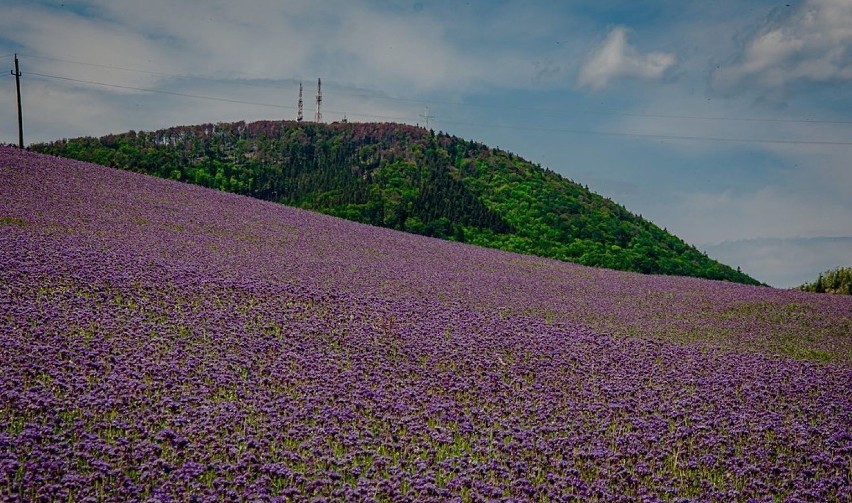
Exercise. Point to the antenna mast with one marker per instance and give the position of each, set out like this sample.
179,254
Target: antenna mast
299,113
318,117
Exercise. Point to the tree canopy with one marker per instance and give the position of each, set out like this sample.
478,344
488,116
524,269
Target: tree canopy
834,281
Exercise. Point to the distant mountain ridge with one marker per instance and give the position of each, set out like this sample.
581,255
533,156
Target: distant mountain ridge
406,178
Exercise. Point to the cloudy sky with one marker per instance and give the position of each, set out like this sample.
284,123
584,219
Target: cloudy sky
727,122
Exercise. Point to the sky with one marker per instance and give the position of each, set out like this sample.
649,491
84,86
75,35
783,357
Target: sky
729,123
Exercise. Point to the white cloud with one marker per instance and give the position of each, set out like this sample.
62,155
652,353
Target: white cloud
261,39
813,44
46,32
400,49
355,43
616,58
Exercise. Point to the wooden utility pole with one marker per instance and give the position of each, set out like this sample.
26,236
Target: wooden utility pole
318,117
17,74
299,111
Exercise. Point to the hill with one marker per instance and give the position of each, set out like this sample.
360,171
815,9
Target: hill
410,179
835,281
162,341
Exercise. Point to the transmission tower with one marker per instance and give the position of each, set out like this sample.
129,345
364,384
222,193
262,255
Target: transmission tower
299,112
318,117
426,117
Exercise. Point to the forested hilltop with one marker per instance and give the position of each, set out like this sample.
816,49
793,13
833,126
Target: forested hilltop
406,178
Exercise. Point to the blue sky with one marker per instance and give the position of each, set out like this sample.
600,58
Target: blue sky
729,122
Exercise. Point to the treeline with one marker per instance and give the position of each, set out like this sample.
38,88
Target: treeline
835,281
406,178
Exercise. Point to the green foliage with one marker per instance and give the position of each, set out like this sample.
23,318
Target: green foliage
835,281
410,179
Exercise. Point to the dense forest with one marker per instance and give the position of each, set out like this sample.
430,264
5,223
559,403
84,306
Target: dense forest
835,281
406,178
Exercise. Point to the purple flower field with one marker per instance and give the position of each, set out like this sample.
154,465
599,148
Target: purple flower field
165,342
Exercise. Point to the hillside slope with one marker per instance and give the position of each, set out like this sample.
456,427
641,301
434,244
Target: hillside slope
406,178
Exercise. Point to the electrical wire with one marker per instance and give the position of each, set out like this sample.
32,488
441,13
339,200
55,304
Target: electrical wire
739,119
203,97
100,65
244,83
649,136
653,136
161,91
458,103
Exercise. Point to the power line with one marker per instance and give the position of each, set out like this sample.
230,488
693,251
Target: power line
484,125
175,93
161,91
242,81
100,65
197,96
740,119
653,136
462,104
562,112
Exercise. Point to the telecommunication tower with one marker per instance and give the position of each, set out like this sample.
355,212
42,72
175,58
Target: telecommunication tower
299,112
318,117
